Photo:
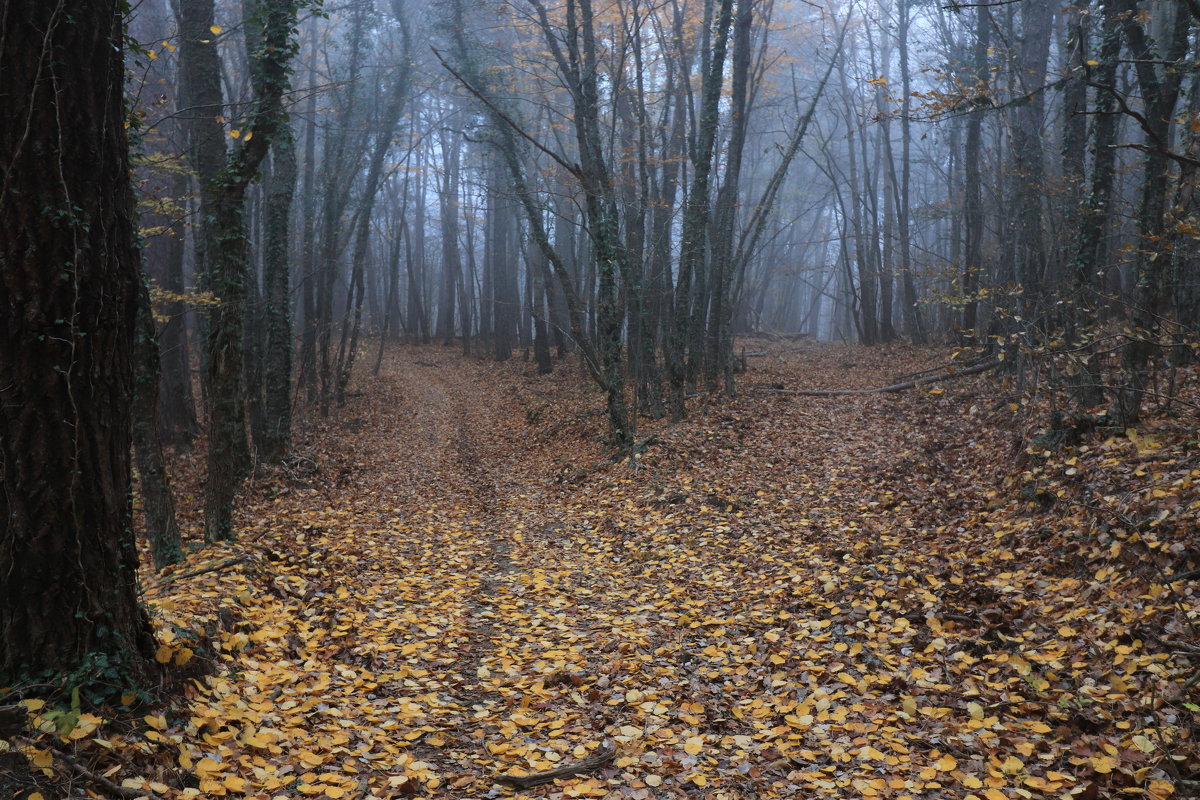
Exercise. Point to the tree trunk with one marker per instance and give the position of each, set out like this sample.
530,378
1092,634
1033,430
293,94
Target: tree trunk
158,505
973,183
448,217
913,324
695,216
176,403
277,401
351,330
68,294
268,39
1161,93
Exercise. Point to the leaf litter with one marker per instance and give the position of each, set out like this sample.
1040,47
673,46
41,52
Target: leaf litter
888,595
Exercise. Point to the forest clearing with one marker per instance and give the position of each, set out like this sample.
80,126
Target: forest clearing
883,595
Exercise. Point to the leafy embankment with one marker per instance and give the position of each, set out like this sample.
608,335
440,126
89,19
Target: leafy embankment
882,595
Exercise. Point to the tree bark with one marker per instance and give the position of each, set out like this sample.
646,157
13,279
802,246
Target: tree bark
68,294
269,38
277,385
158,506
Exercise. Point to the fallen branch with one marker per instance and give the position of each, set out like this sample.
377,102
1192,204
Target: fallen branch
895,387
967,364
1182,576
595,761
230,562
79,769
100,780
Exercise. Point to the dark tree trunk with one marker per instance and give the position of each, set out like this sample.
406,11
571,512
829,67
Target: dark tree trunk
913,324
307,379
68,297
277,385
176,403
695,217
1028,245
719,362
448,216
973,184
223,194
1160,88
157,503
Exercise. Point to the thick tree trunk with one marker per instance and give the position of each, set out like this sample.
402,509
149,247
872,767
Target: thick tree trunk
68,296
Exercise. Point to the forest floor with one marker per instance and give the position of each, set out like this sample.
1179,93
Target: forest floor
883,595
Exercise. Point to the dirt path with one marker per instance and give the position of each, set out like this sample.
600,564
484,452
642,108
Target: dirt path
776,603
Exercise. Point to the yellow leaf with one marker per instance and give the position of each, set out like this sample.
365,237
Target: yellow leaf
1160,790
1104,764
235,134
215,29
975,710
1091,62
693,745
652,780
256,740
971,782
36,796
995,794
946,763
1012,765
86,725
164,653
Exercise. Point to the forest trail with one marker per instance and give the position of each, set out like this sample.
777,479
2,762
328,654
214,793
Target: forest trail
787,597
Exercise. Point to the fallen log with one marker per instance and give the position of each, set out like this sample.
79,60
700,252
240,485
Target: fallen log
594,761
895,387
